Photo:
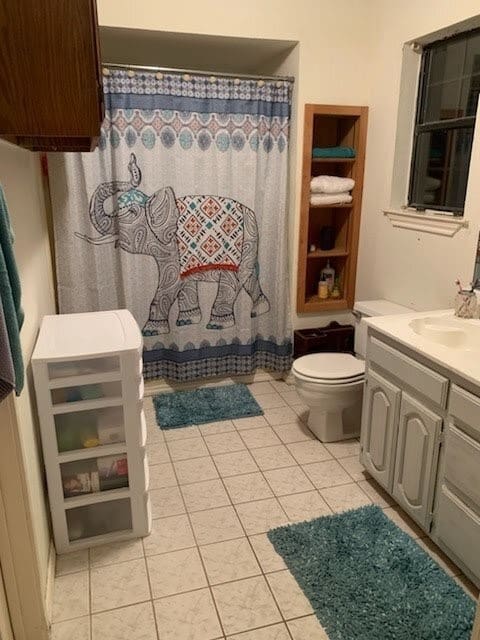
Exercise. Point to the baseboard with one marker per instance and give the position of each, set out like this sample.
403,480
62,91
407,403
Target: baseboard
52,556
161,384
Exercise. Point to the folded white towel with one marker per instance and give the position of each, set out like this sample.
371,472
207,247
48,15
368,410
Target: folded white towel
331,184
330,198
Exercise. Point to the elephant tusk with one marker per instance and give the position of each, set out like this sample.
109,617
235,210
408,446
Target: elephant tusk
112,237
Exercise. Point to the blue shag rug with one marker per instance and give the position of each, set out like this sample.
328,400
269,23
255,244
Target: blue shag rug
199,406
366,579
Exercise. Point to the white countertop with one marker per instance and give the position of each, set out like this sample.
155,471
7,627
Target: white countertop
464,361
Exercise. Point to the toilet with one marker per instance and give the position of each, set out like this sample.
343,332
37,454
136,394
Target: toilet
331,384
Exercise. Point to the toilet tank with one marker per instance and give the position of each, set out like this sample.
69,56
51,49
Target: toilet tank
370,309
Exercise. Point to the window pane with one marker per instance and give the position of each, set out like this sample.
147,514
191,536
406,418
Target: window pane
446,61
442,101
472,55
469,96
440,168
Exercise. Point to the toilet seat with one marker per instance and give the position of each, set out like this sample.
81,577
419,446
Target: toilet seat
329,369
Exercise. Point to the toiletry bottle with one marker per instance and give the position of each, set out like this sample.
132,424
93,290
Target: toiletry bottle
323,288
336,289
328,273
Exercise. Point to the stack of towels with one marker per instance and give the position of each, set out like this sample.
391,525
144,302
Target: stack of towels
325,190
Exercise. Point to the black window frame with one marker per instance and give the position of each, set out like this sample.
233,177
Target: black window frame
452,123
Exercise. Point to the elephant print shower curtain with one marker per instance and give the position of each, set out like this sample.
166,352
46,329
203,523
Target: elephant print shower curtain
180,216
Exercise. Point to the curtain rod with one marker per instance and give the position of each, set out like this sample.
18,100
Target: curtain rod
216,74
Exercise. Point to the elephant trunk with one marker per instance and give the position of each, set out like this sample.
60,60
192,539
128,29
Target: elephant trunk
104,222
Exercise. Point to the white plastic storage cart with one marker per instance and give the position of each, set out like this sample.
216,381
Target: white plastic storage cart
87,369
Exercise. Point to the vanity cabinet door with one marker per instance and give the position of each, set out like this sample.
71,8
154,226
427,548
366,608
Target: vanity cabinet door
416,459
379,428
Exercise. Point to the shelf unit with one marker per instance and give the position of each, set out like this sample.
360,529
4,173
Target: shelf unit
330,126
87,370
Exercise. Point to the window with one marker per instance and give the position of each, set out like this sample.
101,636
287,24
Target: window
445,121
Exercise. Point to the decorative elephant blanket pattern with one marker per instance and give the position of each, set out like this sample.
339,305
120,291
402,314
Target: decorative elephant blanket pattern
205,274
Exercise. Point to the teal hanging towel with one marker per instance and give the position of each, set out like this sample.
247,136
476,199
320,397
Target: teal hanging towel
10,297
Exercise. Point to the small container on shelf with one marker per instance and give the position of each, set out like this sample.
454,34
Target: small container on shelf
323,288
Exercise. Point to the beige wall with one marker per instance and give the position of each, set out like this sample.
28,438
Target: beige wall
20,178
411,268
334,61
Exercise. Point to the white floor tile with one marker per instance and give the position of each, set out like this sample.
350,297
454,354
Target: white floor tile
187,448
293,431
216,525
273,457
304,506
230,560
196,470
247,487
402,520
376,493
348,496
245,604
162,475
166,502
271,401
344,448
288,480
260,388
70,596
176,572
118,585
205,495
188,616
283,415
354,468
157,453
135,622
261,516
224,443
233,464
307,628
328,473
290,598
268,558
309,451
169,534
273,632
263,437
181,433
291,397
77,629
115,552
212,428
71,562
253,422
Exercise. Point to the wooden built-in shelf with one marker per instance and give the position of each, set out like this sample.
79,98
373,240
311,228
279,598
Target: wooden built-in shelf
332,160
330,126
332,253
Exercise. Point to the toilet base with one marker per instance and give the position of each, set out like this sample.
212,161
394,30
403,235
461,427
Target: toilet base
336,425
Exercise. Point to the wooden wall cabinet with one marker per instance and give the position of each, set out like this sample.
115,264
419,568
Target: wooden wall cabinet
51,96
330,126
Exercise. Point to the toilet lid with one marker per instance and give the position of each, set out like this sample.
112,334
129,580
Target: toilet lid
330,366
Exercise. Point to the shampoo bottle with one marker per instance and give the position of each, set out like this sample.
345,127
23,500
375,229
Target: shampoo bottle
328,273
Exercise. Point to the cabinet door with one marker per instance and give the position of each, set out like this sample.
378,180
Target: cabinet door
379,428
416,459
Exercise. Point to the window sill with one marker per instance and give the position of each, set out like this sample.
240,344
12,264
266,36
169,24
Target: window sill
438,224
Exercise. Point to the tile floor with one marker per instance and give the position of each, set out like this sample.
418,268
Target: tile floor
208,571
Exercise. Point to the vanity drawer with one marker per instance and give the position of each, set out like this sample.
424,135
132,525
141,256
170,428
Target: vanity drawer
429,383
462,463
464,407
458,527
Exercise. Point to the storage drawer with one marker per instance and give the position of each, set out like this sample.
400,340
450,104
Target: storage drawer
429,383
462,463
465,407
458,527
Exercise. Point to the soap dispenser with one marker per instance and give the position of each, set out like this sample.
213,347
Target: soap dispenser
328,274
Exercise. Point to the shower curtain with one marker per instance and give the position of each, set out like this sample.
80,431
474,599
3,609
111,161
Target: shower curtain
180,216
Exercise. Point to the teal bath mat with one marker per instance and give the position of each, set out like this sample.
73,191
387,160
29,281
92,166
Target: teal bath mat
366,579
184,408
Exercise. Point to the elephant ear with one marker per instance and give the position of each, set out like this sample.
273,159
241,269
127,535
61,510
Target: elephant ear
162,214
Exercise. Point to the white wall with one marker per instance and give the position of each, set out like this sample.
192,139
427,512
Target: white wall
411,268
333,57
21,181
